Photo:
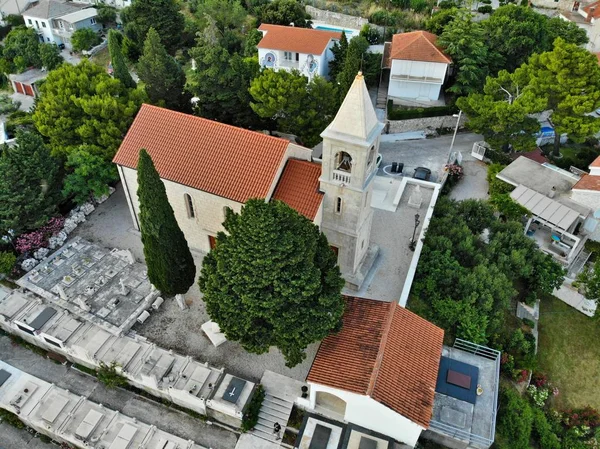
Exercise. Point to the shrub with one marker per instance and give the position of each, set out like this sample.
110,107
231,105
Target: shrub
592,246
497,186
84,39
405,114
515,419
587,416
107,374
371,34
542,431
11,418
485,9
7,262
539,396
250,418
419,5
529,323
32,241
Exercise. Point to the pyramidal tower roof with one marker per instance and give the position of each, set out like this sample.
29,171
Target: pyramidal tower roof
356,117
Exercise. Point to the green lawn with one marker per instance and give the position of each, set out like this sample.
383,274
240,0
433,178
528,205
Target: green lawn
569,353
102,58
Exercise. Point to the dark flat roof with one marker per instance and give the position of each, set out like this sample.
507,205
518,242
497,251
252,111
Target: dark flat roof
447,385
42,318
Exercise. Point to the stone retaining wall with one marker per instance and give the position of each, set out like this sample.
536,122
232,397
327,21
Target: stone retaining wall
427,124
336,18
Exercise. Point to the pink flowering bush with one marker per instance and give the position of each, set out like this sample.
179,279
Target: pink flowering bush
32,241
455,171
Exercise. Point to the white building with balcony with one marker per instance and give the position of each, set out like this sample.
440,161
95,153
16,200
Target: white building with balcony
292,48
586,15
417,69
55,21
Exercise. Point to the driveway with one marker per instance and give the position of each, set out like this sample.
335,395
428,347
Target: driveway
474,183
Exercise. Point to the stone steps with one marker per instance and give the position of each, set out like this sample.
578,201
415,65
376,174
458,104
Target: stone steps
274,410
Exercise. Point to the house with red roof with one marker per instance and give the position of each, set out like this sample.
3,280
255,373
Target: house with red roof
586,15
208,167
292,48
417,68
387,374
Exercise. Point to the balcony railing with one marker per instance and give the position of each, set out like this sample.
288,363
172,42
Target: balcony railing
289,64
422,79
342,176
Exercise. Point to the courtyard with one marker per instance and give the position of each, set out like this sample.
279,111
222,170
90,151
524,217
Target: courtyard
569,354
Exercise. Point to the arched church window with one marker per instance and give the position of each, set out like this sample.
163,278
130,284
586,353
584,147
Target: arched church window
189,205
338,205
343,161
371,157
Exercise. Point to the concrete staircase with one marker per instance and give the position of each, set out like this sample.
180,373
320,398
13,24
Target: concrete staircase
274,409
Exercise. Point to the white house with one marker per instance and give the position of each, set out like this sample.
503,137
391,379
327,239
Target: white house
388,371
208,167
418,68
587,17
55,21
302,49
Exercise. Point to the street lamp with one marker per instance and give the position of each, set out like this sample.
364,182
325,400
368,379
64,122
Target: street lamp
413,242
454,136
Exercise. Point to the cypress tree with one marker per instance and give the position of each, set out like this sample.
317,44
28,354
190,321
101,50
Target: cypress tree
272,280
120,70
170,264
162,75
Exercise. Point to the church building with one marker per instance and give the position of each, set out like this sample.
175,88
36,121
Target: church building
208,167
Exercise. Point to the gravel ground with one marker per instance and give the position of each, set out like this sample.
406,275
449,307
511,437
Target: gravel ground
128,403
13,438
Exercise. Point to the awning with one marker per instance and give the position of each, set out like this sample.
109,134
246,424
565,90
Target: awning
549,210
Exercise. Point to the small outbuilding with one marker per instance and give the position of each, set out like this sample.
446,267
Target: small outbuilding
26,83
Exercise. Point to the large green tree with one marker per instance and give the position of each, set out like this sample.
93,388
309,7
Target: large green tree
221,80
163,77
120,70
353,63
464,41
84,39
21,50
296,107
81,105
501,112
29,184
89,174
339,51
226,14
285,12
170,263
272,280
162,15
565,81
50,56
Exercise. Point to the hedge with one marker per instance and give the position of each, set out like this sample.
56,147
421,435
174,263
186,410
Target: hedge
406,114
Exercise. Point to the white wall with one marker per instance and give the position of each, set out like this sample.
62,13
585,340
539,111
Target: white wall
322,61
366,412
38,25
414,87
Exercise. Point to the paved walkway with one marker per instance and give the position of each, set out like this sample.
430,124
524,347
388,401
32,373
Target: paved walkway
474,183
147,411
13,438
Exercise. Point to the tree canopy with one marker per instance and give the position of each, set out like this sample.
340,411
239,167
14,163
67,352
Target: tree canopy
84,39
170,263
20,50
162,15
50,56
272,280
82,104
29,185
163,77
285,12
89,174
297,108
120,70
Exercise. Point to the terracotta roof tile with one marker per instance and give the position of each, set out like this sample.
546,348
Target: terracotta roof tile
299,40
595,162
588,182
418,46
203,154
384,351
593,9
298,187
535,155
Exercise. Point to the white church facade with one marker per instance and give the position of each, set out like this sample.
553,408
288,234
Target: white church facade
208,167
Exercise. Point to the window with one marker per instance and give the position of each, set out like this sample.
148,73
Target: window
54,343
338,205
48,39
61,25
43,24
343,161
297,57
93,20
37,24
371,157
189,206
29,22
362,245
287,55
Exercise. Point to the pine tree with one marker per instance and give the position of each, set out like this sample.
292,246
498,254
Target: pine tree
272,280
120,70
29,184
163,77
170,264
339,51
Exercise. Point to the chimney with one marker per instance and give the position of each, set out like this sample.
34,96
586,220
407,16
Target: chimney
590,14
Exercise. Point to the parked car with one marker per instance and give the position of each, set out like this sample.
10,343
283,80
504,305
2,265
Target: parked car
422,173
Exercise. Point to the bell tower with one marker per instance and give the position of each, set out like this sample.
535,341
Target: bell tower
349,166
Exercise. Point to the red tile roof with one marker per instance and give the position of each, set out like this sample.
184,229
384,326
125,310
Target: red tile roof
593,9
588,182
418,46
299,40
298,187
203,154
536,155
384,351
595,162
